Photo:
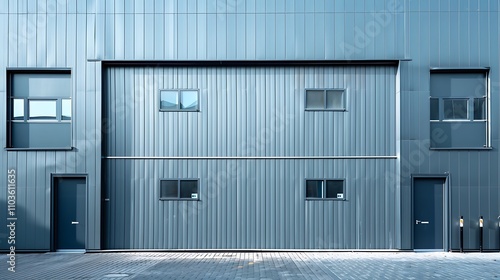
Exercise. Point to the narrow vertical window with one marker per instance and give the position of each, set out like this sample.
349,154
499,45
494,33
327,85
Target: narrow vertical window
434,109
18,109
480,109
66,110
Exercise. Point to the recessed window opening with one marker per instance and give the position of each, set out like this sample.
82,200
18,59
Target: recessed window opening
458,110
179,100
325,189
39,109
179,189
325,99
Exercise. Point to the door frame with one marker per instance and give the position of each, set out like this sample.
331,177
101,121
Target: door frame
446,207
53,177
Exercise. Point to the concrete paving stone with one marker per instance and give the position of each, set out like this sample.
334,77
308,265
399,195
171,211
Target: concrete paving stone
254,265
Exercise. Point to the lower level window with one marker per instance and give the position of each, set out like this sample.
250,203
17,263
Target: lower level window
179,189
325,189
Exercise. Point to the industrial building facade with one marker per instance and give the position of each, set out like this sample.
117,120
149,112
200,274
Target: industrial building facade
250,124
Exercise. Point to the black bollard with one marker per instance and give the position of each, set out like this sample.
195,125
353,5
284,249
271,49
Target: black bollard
461,234
481,234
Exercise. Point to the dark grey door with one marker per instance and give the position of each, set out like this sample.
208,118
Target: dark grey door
428,213
70,213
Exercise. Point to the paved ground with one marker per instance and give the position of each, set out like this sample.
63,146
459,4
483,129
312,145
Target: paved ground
255,265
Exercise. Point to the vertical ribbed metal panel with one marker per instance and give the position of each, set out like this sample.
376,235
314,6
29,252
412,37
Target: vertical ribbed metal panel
457,34
4,157
250,203
53,35
233,30
269,103
243,210
432,33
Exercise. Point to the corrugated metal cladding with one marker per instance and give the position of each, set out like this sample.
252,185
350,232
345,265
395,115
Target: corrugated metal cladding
454,34
77,35
250,203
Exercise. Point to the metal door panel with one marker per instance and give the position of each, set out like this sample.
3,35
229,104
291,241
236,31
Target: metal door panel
428,213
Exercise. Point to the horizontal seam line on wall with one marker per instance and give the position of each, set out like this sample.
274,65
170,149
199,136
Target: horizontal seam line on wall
249,158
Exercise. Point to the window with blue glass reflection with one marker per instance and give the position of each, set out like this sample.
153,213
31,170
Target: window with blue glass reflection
39,107
179,100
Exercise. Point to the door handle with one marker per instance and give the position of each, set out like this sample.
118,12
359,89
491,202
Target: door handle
417,222
75,223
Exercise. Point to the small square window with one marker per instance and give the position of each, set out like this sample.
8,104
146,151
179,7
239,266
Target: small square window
169,189
189,188
325,189
42,109
315,99
179,189
314,188
335,189
169,100
335,99
189,99
455,109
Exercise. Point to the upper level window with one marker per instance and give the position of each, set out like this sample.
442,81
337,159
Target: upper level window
179,189
178,100
325,99
459,109
39,109
325,189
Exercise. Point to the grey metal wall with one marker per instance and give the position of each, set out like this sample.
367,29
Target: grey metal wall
247,202
41,35
59,33
72,34
458,34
